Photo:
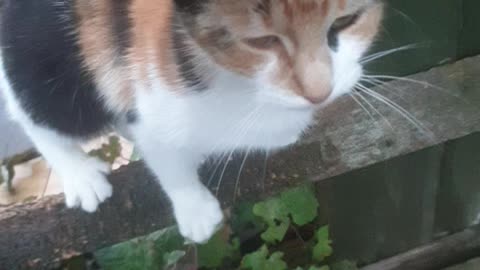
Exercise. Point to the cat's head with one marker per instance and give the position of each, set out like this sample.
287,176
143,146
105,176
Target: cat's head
301,52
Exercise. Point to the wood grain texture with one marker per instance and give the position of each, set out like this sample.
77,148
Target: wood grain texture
39,234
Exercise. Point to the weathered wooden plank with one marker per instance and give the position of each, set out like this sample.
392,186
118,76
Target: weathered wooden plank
38,234
445,252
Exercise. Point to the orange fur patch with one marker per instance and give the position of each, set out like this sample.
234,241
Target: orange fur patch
152,40
97,48
367,26
219,30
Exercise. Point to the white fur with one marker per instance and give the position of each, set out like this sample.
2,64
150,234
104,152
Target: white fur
347,69
177,131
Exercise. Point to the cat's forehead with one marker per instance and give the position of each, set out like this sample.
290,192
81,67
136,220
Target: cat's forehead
314,5
293,13
296,6
352,6
296,19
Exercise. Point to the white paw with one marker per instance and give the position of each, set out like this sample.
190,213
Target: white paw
198,214
87,186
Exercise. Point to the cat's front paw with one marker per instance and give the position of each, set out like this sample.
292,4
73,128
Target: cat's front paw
198,214
87,186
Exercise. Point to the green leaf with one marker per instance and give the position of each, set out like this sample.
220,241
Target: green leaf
243,219
319,268
259,260
344,265
127,256
276,232
322,248
301,203
110,151
216,250
314,268
255,260
271,210
171,258
152,252
274,214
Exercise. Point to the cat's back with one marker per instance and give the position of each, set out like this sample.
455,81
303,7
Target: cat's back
45,68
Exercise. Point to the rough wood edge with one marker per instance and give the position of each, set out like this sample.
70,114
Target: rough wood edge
442,253
39,234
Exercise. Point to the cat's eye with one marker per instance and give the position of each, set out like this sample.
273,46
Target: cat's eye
263,43
339,25
344,22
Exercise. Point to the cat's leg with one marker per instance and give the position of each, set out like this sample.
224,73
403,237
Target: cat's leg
196,210
84,177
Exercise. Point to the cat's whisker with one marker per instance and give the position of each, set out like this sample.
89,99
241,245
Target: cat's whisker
265,163
365,109
381,54
399,109
425,84
375,110
396,78
217,162
405,16
235,129
239,138
381,84
385,119
237,182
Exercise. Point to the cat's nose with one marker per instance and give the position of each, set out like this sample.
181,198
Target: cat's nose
316,99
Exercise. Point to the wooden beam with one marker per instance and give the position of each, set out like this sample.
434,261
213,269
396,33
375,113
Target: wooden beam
445,252
39,234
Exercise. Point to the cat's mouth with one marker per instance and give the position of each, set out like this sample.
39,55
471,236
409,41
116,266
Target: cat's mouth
285,101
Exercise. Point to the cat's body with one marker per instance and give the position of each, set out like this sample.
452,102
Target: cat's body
185,79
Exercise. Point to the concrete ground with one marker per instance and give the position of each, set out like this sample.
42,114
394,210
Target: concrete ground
12,138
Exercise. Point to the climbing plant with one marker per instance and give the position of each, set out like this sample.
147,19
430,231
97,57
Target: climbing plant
255,238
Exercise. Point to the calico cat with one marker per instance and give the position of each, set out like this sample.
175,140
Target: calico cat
186,79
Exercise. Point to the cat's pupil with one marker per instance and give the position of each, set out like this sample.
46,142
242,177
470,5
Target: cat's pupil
339,25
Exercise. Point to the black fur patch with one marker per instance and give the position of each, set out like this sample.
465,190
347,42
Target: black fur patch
263,7
42,62
185,61
191,7
339,25
132,117
332,37
122,24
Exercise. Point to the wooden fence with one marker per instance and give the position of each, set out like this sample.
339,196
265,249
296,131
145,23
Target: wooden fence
401,204
41,233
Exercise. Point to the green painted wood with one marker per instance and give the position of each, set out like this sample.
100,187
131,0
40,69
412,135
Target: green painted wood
394,206
390,207
459,185
470,35
385,209
445,30
470,265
